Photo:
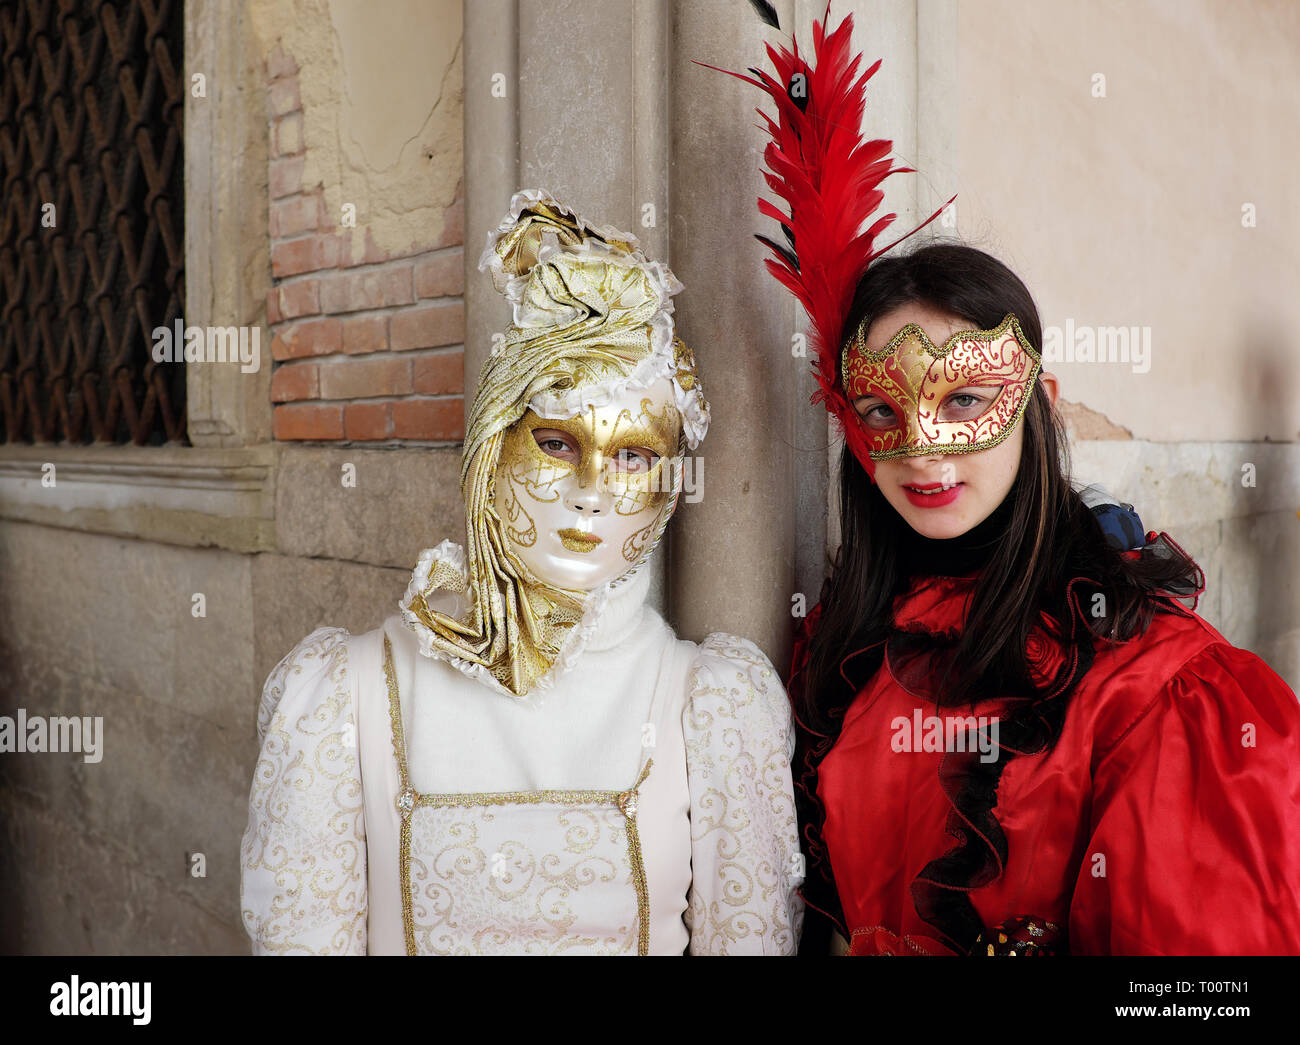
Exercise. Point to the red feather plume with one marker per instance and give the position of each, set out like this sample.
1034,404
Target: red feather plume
830,181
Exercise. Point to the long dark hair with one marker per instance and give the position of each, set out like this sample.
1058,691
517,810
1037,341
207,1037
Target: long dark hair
1050,560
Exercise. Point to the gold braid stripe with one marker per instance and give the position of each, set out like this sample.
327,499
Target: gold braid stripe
395,713
627,803
405,797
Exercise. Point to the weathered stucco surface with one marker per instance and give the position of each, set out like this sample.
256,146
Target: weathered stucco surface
381,98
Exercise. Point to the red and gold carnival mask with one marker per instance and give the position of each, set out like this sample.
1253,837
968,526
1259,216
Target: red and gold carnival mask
916,382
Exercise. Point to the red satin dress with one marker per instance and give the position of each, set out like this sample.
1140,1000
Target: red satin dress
1165,820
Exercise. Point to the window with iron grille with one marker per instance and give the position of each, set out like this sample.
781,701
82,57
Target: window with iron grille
92,249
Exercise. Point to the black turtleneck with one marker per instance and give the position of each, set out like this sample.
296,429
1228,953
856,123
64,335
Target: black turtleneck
959,556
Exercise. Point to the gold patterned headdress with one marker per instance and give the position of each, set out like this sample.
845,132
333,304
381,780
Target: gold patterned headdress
591,318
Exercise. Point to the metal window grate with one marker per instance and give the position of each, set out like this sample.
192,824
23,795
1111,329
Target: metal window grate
91,105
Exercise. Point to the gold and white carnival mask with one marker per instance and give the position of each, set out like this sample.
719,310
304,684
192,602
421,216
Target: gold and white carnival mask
580,499
573,451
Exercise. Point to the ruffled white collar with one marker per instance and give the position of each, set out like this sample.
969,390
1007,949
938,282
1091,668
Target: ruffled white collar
612,613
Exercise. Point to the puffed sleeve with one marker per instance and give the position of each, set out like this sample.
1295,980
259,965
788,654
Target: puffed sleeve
303,878
745,862
1195,845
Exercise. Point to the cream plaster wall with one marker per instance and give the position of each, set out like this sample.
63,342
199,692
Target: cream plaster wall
1127,209
382,115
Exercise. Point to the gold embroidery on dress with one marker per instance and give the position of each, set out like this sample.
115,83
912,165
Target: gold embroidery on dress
743,826
307,896
408,800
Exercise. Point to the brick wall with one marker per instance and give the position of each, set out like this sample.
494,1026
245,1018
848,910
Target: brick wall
371,350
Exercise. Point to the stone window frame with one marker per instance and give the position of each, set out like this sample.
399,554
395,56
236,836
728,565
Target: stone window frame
220,491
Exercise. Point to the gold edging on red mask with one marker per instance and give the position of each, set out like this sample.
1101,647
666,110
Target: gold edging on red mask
914,378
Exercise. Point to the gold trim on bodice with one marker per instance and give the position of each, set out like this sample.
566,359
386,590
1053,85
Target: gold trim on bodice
408,799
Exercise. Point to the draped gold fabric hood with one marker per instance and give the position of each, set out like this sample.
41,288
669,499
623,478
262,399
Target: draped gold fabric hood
591,317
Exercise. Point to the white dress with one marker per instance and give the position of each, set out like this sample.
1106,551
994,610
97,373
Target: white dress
641,805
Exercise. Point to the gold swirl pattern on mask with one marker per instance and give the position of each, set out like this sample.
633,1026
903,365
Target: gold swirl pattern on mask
527,465
599,441
892,381
636,543
971,361
658,432
514,512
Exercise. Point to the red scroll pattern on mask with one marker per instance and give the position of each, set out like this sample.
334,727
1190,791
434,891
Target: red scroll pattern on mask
916,381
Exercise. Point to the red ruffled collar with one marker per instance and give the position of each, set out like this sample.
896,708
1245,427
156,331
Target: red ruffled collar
939,605
934,604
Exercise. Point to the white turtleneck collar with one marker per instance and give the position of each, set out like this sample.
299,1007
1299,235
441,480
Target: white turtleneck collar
623,612
612,618
580,730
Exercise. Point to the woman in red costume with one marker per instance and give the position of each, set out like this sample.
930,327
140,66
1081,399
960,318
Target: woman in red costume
1015,736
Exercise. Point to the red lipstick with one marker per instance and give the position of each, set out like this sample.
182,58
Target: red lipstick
943,493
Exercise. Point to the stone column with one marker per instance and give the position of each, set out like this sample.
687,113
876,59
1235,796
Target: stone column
733,555
491,103
568,97
226,252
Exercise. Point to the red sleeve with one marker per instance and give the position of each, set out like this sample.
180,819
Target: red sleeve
1196,812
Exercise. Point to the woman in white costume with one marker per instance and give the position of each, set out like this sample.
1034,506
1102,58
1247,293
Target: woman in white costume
526,759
